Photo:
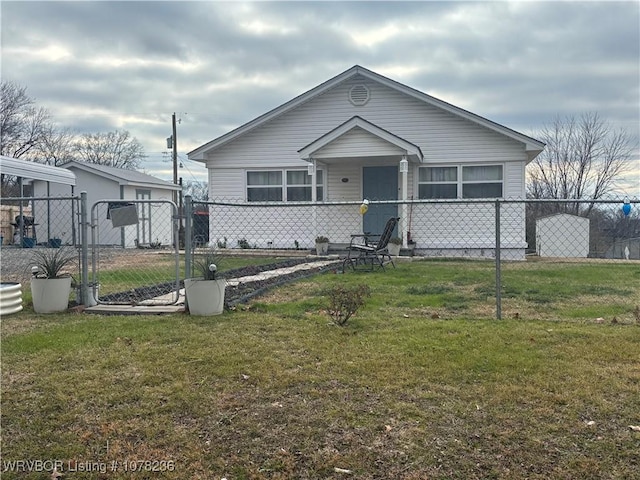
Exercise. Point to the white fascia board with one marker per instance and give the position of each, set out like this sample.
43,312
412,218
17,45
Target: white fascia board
531,144
156,186
199,153
410,148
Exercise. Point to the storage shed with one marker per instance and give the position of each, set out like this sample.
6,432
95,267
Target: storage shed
562,235
101,182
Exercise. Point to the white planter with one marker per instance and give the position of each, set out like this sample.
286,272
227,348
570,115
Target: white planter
50,295
322,248
204,297
394,249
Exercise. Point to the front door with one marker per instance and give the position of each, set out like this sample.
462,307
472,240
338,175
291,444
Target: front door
379,183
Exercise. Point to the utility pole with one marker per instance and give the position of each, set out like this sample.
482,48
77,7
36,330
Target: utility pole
174,142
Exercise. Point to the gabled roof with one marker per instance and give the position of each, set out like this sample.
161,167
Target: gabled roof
359,122
35,171
532,145
122,176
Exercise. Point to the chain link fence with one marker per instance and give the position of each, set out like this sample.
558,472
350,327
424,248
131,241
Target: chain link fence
34,224
130,251
515,236
432,228
134,252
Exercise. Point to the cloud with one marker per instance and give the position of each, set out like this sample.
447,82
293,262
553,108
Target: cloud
105,65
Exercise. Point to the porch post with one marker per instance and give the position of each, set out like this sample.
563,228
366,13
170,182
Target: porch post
404,170
311,170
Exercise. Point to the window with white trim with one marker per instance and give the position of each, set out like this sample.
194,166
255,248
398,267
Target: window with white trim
283,185
461,181
438,182
482,181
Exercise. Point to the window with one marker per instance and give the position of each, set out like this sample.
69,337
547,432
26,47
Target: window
461,181
264,186
482,181
278,186
438,182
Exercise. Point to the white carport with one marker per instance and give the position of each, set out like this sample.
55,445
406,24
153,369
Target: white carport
30,171
36,171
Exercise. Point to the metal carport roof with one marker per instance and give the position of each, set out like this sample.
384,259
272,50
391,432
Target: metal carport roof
36,171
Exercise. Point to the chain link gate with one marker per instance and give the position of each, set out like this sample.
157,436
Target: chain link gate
135,257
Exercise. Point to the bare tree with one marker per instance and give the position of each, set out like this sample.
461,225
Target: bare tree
115,149
57,146
584,159
199,191
22,125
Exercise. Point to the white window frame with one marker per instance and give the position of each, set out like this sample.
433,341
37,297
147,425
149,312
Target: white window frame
284,184
464,182
460,182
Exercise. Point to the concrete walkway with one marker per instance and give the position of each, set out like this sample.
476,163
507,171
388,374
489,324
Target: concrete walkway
160,305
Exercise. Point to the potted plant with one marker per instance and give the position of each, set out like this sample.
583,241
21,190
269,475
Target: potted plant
50,284
205,293
322,245
394,246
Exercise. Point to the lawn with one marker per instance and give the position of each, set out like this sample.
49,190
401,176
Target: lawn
421,383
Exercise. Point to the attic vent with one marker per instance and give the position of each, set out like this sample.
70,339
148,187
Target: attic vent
359,95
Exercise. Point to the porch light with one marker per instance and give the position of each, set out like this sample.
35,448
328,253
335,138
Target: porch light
404,165
311,168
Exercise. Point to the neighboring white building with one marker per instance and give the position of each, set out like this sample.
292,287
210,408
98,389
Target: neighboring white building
562,235
348,137
102,183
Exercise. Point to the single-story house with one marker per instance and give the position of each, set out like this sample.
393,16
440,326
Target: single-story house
105,184
362,135
562,235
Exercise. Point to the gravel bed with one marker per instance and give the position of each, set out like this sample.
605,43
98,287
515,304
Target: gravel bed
234,294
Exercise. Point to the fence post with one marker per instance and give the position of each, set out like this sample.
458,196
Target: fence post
498,272
84,249
188,213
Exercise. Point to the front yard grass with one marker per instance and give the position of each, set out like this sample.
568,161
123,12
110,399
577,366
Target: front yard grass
421,383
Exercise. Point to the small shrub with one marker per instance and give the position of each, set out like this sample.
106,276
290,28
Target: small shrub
222,243
344,301
243,243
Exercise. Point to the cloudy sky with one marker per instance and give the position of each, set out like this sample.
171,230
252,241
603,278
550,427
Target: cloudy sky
98,66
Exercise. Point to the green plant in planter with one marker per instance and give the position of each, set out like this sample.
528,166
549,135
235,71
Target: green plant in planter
51,263
50,284
395,241
205,295
207,265
322,245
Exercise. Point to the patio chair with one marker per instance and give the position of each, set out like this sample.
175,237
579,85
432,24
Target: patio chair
362,251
